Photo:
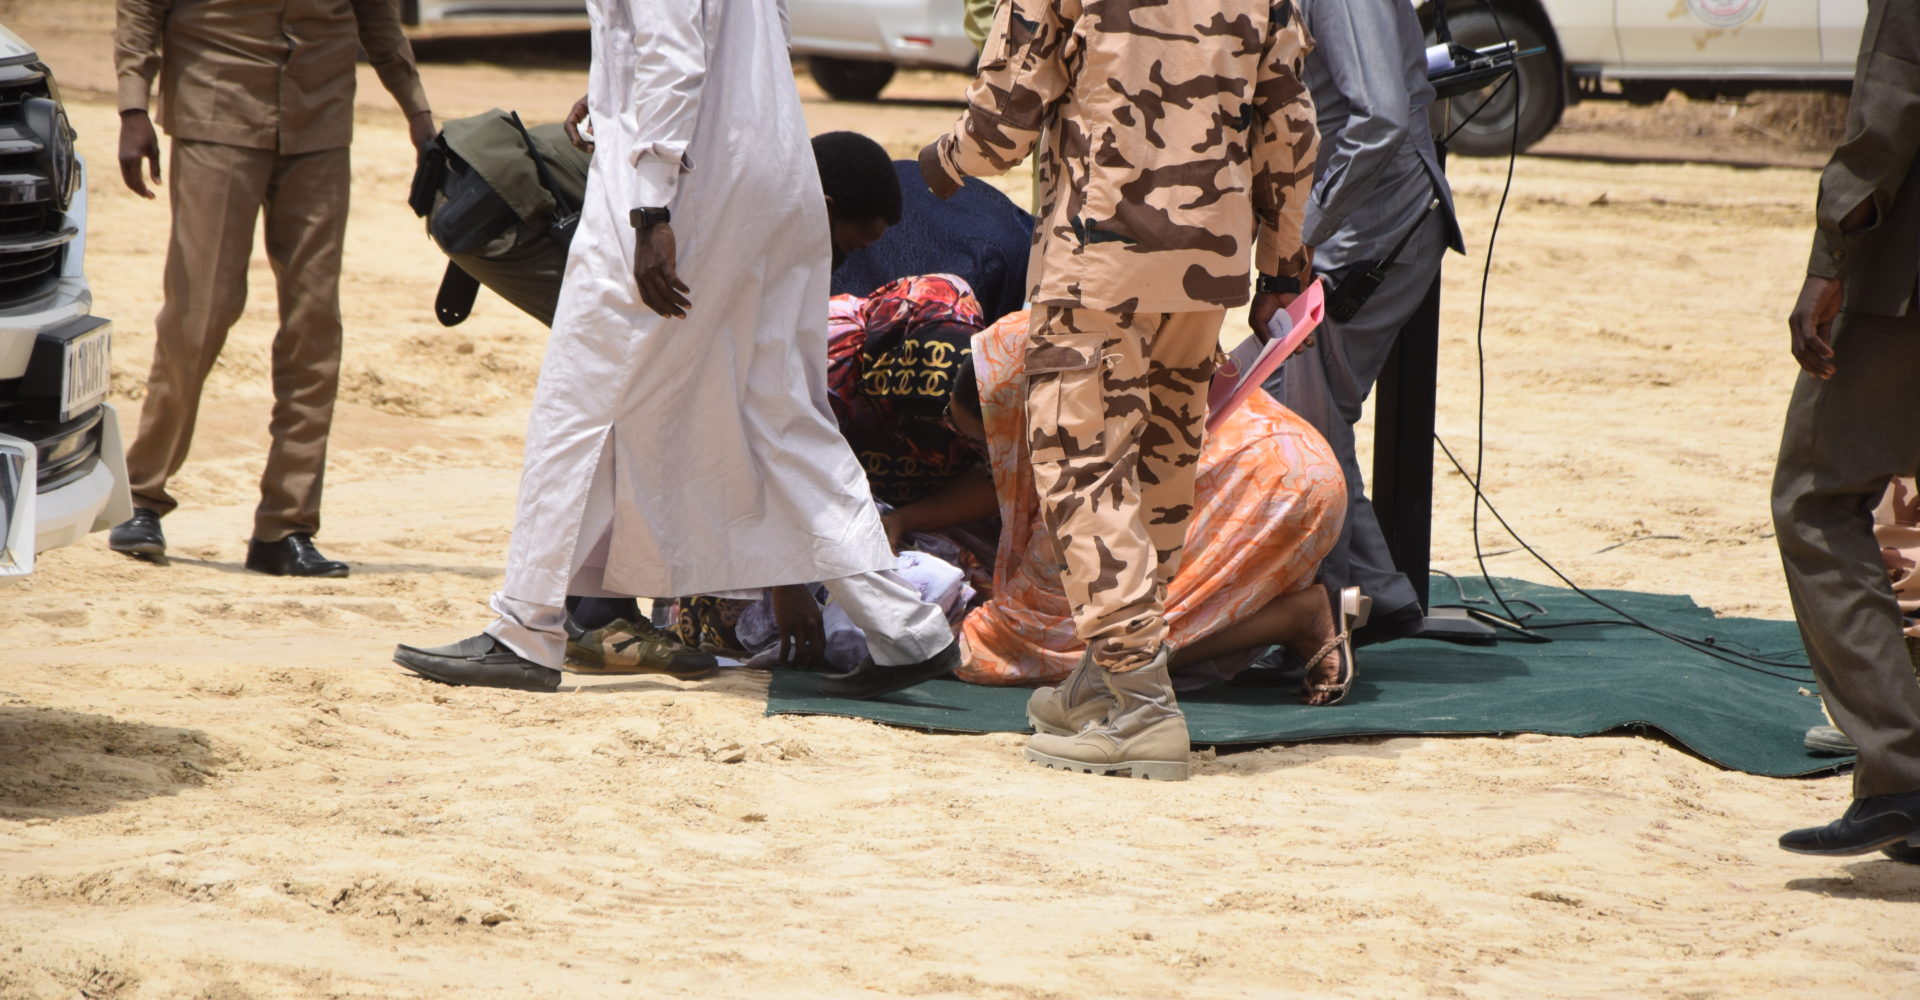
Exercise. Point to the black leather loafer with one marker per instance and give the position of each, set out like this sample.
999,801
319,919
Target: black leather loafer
481,661
1906,850
871,680
1870,824
1401,623
293,555
139,536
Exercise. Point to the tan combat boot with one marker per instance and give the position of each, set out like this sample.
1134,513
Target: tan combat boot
1144,735
1067,707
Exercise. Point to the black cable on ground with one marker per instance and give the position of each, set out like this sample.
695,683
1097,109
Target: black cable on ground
1746,661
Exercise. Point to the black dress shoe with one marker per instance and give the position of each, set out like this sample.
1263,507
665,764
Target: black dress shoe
139,535
871,680
1400,623
1906,850
1870,824
293,555
481,661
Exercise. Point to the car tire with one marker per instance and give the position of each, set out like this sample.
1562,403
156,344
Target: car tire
849,79
1541,90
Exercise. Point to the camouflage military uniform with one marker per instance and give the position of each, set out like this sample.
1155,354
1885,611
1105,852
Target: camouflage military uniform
1179,137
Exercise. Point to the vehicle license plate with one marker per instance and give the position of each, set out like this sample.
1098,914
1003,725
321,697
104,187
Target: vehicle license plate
88,371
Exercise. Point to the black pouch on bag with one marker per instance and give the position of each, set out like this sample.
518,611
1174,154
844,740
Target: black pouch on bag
427,171
474,214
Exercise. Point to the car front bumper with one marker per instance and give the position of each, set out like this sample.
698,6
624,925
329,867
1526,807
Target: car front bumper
58,485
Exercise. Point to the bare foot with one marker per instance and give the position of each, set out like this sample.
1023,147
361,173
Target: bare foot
1328,655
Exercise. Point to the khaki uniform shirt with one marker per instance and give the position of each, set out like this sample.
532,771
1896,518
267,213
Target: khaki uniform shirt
264,74
1179,138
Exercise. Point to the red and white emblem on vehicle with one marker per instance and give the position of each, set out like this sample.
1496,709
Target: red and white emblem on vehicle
1725,13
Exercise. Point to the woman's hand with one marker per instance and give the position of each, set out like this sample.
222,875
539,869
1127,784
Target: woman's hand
796,615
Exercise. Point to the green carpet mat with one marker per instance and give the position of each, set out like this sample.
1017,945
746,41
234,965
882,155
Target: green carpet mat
1589,680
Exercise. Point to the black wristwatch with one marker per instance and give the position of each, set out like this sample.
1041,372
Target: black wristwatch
1284,286
644,217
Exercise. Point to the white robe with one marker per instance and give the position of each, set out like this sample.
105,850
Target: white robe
668,457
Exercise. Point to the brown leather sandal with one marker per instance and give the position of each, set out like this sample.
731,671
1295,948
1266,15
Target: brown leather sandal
1354,607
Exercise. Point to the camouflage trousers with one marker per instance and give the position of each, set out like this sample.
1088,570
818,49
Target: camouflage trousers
1116,415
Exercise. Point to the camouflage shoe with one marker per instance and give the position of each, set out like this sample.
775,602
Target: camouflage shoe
621,647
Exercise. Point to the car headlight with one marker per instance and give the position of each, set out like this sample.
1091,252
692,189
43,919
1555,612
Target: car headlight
47,121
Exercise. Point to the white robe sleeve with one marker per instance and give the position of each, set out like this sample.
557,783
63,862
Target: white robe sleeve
669,75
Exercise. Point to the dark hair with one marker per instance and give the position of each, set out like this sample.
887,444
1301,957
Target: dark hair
966,388
858,175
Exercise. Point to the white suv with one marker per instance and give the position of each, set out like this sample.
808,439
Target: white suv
853,46
1702,48
62,470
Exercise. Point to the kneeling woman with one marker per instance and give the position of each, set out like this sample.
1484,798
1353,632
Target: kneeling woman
1269,502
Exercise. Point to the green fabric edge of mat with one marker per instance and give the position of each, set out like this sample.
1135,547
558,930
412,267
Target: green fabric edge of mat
1738,718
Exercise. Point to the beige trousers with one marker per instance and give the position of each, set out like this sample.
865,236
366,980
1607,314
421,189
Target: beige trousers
218,191
1116,415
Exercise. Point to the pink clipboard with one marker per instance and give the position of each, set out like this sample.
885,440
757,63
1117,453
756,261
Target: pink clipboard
1253,361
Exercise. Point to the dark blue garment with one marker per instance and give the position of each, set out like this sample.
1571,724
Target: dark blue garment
978,234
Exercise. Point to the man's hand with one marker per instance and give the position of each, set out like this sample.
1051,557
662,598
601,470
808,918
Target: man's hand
1265,304
654,262
421,130
896,527
1261,312
803,640
935,173
1811,325
138,143
582,141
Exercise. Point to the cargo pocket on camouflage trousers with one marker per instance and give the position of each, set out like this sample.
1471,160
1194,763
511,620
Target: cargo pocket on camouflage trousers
1087,408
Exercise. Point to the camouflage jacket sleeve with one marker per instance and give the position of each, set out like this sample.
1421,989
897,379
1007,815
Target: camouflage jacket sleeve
136,49
1284,143
1023,74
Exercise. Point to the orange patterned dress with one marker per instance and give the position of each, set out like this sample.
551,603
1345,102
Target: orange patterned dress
1270,500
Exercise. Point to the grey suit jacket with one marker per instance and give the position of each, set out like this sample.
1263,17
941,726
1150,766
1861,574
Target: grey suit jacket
1377,168
1880,160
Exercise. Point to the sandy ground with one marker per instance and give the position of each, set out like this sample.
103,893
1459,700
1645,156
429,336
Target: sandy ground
214,785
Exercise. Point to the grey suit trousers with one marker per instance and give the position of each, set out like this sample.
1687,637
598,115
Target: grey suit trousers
1328,383
1845,438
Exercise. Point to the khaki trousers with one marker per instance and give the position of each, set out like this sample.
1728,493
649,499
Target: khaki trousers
1845,438
1116,415
218,191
